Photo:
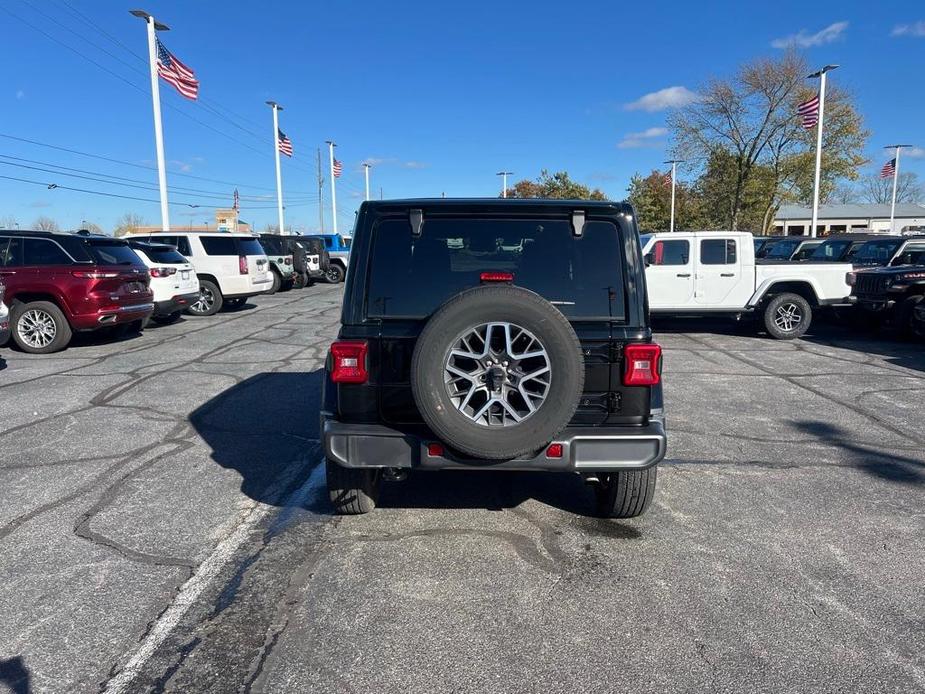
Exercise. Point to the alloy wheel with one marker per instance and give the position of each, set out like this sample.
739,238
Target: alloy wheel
497,374
205,301
788,317
37,328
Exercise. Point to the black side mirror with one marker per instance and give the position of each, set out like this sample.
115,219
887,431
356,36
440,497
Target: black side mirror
649,259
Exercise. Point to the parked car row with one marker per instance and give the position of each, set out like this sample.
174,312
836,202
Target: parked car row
784,280
53,284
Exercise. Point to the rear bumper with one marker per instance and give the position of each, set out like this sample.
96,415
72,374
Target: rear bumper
111,316
174,304
584,449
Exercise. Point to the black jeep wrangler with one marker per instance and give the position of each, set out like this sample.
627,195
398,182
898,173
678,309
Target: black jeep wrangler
891,294
497,335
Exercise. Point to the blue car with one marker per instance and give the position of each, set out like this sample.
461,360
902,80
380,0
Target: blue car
338,248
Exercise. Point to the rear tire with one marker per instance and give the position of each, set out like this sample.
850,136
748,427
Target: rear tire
276,283
905,316
210,299
353,490
787,316
626,493
334,274
39,327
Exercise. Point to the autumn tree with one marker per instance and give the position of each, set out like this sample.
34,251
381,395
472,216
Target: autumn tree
44,223
746,128
128,224
558,185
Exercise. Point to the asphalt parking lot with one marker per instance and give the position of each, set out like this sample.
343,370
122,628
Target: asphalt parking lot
163,527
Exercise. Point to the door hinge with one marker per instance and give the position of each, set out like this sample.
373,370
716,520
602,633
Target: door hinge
614,401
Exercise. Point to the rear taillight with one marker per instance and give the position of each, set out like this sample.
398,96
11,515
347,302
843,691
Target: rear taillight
642,364
496,277
163,271
94,275
288,261
348,362
242,264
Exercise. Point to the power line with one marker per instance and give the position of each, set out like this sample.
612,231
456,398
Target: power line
56,186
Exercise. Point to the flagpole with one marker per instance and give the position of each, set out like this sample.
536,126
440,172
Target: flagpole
366,166
821,75
896,149
279,176
153,27
331,147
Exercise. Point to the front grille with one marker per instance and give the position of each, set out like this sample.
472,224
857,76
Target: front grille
870,284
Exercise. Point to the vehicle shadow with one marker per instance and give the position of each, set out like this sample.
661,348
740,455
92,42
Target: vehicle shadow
894,468
894,348
263,426
15,675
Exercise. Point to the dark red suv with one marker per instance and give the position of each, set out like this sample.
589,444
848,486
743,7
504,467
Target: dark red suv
58,283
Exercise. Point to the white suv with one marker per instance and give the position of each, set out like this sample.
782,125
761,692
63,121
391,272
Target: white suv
230,267
173,280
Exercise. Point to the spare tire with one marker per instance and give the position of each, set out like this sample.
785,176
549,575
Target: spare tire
497,372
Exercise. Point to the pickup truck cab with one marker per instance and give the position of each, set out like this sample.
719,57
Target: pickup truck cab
888,251
715,272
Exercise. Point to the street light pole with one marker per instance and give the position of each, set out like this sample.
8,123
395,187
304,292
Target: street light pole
154,27
821,75
895,179
504,175
279,177
366,166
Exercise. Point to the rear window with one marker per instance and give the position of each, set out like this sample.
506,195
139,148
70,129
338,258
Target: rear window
783,249
249,247
410,278
113,253
163,254
219,245
271,245
181,242
718,252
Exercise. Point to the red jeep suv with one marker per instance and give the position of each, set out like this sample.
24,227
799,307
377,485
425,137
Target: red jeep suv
58,283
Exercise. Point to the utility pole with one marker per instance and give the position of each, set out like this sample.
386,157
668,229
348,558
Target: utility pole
331,146
279,177
674,175
366,166
320,193
153,27
821,75
895,179
504,175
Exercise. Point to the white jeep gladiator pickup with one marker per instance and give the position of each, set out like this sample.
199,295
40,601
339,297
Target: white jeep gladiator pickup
714,272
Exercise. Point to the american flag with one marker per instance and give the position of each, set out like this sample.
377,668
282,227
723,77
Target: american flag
237,200
809,111
338,168
176,73
889,169
667,177
285,144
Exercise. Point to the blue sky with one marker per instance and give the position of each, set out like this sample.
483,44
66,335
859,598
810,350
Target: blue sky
437,96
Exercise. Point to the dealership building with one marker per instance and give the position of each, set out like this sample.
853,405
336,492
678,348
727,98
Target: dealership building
794,220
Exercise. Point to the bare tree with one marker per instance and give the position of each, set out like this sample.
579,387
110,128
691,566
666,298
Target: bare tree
128,223
880,190
44,223
8,222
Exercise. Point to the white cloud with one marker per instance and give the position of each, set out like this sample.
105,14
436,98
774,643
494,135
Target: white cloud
803,39
183,166
915,29
415,165
914,152
647,138
670,97
377,161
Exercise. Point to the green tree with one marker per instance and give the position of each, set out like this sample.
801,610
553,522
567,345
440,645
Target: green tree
557,185
651,198
746,135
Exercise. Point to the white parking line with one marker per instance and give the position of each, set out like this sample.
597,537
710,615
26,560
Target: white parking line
197,583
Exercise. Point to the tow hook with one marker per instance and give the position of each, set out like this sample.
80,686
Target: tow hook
394,474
